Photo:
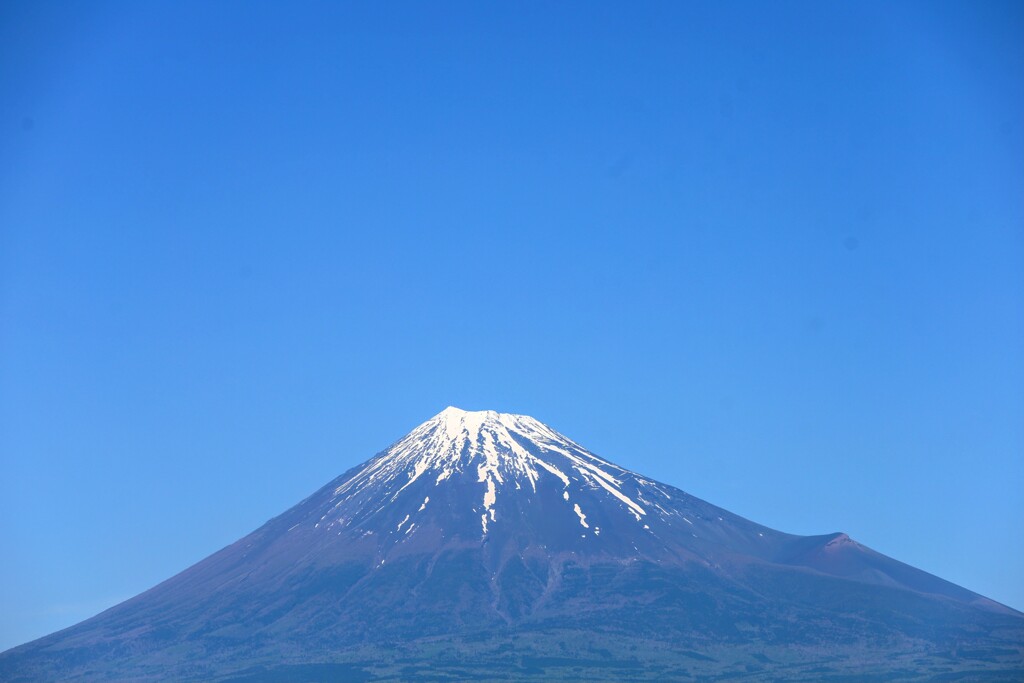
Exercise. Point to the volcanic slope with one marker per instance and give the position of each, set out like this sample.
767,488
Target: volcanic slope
487,546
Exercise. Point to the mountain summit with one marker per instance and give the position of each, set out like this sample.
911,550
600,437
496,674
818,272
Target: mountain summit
483,465
488,546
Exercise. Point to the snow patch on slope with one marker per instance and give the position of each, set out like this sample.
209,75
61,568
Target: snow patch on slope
579,513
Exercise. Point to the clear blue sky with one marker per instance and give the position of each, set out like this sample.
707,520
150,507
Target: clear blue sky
770,253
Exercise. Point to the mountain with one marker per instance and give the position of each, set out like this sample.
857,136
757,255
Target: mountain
487,546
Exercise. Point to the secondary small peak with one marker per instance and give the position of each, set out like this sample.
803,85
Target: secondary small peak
840,539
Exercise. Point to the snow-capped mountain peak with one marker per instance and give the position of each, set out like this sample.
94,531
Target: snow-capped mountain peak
491,454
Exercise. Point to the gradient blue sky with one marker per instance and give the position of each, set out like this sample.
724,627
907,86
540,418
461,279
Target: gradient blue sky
770,253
